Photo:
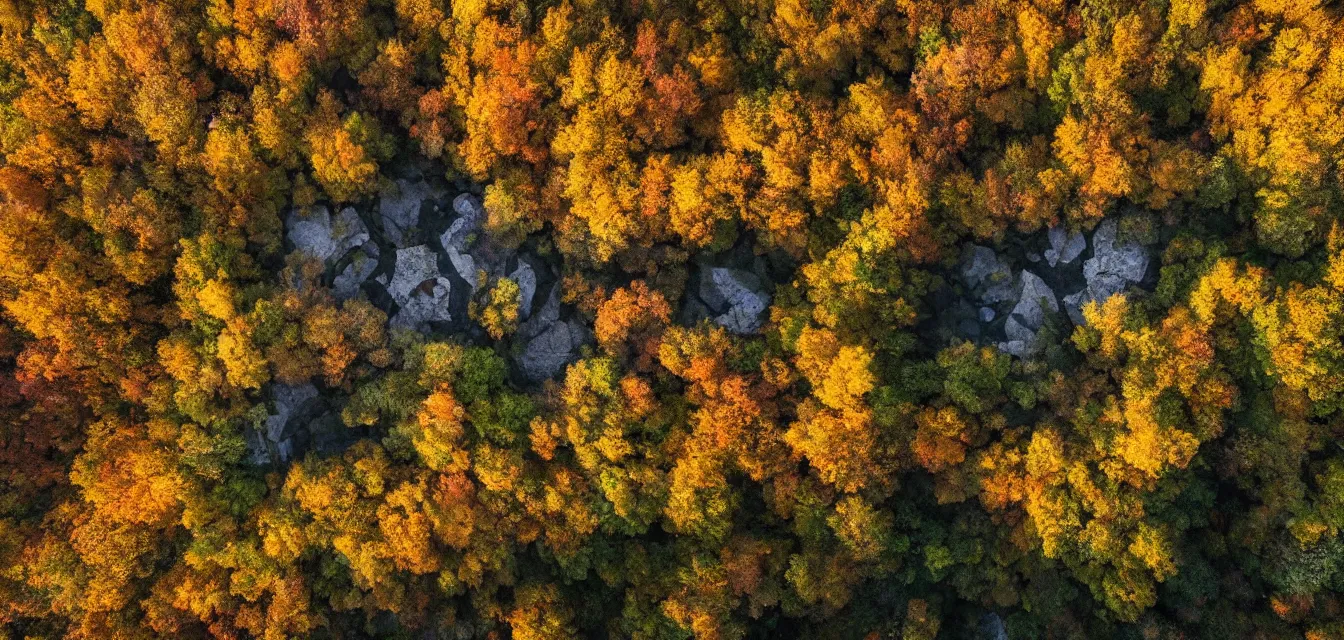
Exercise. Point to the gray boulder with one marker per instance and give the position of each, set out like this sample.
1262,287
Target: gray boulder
736,298
1127,260
547,315
1028,315
363,263
992,628
275,441
419,290
399,208
547,354
989,276
414,266
549,343
526,279
1065,246
427,304
468,207
470,217
465,265
468,222
315,232
1113,267
258,447
1036,296
1017,348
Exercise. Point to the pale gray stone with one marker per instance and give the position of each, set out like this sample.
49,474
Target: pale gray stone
414,266
987,314
1065,246
736,297
1014,348
1100,288
468,207
979,263
465,265
284,449
1035,292
455,239
399,207
1017,331
991,625
1128,261
1028,315
275,441
311,231
362,265
348,230
419,290
547,354
423,307
1113,267
289,400
459,231
988,275
317,234
1073,305
469,218
547,315
526,279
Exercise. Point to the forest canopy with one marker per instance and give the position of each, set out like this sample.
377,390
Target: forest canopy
671,319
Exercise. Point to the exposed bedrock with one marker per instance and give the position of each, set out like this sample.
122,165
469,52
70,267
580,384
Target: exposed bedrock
1008,302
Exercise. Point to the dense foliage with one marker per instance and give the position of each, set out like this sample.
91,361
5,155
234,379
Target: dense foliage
1170,469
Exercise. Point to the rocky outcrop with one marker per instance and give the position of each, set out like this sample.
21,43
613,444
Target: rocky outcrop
298,423
399,208
419,290
1127,261
733,288
547,354
1065,246
315,233
415,266
1034,299
987,274
421,255
991,628
1113,267
361,264
549,343
547,315
277,440
396,263
736,300
418,254
988,293
430,304
526,279
455,240
1009,308
469,210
